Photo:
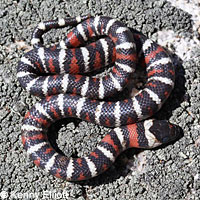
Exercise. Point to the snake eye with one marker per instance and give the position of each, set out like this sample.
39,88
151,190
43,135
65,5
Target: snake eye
165,140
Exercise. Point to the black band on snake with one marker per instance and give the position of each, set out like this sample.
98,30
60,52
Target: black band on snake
66,93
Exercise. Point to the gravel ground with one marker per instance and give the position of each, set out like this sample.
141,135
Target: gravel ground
171,172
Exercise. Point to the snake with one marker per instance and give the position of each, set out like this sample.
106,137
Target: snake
59,76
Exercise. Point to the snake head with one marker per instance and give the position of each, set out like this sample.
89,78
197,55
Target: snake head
164,132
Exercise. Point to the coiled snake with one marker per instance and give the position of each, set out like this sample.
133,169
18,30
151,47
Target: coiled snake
66,93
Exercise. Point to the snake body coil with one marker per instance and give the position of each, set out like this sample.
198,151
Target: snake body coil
62,62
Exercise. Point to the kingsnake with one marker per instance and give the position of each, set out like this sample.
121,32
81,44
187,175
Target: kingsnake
51,74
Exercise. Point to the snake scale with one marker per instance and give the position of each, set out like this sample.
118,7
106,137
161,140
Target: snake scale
56,74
